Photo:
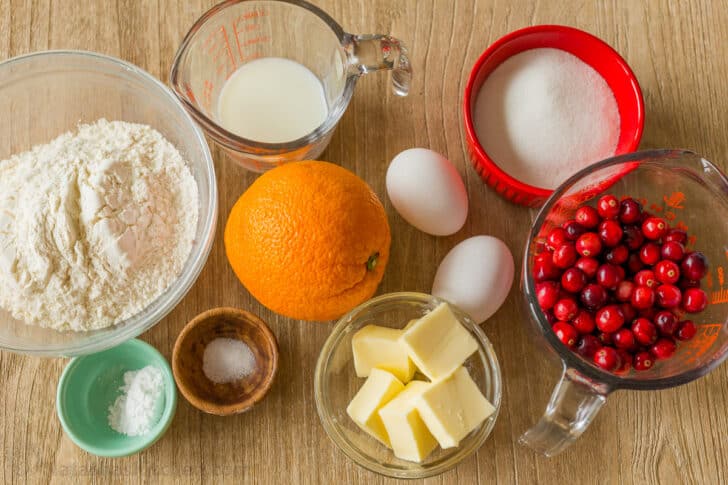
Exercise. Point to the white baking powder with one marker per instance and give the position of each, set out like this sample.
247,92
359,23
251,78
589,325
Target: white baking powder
227,360
93,225
138,407
544,114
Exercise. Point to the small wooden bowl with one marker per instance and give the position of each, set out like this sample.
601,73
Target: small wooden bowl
232,397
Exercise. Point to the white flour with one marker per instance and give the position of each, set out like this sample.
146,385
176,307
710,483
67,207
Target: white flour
93,225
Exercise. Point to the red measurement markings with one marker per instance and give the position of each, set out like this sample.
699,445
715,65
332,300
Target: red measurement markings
675,200
207,95
694,350
245,25
218,47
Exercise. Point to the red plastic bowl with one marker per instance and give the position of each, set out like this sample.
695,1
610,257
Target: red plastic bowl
593,51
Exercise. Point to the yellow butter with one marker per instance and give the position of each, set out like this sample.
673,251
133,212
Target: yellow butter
375,346
438,343
380,388
453,407
409,437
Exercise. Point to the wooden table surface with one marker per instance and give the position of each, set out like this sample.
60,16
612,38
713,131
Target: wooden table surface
679,52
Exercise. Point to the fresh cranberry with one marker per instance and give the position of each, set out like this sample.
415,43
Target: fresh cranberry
643,297
547,294
587,265
634,263
643,361
573,229
565,256
624,339
609,318
667,272
654,228
610,232
672,250
677,235
617,255
545,270
624,290
630,211
606,358
666,323
694,300
573,280
694,266
587,216
668,296
608,207
663,348
565,309
650,253
625,361
589,244
605,338
588,345
583,322
644,331
621,273
556,238
593,296
565,333
633,237
630,312
646,277
686,330
608,276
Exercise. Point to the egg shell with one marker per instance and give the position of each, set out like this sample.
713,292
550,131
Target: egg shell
427,191
476,275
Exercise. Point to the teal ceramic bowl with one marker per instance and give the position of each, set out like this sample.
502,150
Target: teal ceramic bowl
90,384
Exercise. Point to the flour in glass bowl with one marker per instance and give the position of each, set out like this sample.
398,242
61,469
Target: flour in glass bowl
94,225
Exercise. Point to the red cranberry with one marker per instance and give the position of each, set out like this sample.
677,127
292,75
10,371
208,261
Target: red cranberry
588,345
643,297
565,256
606,358
624,339
547,294
630,211
589,244
625,361
565,309
663,348
694,300
654,228
573,229
583,322
667,272
605,338
609,318
608,276
556,238
646,278
608,207
610,232
624,290
644,331
545,271
666,323
672,250
565,333
617,255
593,296
668,296
686,330
633,237
643,361
630,312
650,253
588,265
677,235
573,280
587,216
694,266
634,263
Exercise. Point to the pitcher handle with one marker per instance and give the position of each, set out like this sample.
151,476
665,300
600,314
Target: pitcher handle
375,52
574,403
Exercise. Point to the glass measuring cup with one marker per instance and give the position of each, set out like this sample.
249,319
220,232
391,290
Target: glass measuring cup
238,31
689,192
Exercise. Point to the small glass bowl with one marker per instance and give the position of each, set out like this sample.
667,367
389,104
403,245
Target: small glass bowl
336,383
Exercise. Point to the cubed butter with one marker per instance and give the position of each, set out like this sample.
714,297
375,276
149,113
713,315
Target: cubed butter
438,343
409,437
453,407
379,389
375,346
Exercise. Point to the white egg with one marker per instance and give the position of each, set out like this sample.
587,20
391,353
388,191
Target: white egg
427,191
476,275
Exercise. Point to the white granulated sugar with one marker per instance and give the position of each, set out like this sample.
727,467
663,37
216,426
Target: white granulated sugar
138,406
544,114
227,360
94,225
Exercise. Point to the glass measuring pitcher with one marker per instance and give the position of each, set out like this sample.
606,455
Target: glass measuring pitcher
238,31
690,193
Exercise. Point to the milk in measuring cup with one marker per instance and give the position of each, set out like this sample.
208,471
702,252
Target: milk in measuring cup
272,100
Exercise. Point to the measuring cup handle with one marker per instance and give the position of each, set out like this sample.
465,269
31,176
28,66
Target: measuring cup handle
574,404
373,52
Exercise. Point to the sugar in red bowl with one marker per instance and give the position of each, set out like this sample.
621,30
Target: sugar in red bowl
591,50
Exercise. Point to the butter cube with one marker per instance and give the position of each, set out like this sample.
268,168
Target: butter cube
453,407
375,346
380,388
408,434
438,343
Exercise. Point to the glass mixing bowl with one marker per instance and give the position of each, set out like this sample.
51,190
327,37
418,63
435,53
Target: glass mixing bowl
336,383
45,94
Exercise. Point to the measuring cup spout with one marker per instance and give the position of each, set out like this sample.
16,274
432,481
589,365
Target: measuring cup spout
373,52
574,403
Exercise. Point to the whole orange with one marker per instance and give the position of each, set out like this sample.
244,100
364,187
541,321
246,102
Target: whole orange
309,240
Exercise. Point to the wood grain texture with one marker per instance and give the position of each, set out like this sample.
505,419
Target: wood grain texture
679,52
